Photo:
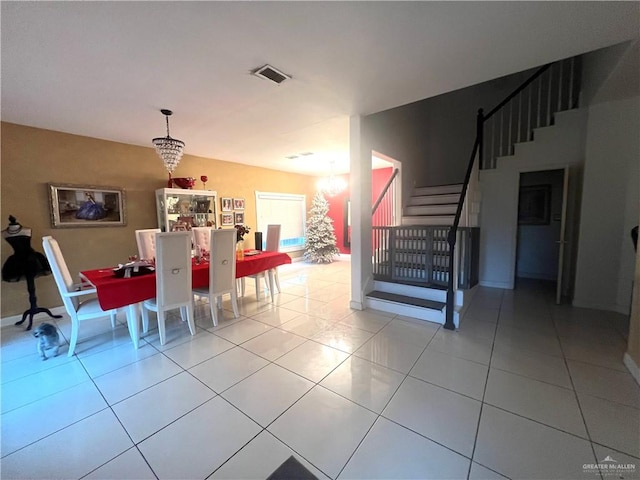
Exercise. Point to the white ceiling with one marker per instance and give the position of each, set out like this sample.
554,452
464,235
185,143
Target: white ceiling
105,69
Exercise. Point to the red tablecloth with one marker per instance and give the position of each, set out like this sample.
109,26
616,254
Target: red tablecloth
119,292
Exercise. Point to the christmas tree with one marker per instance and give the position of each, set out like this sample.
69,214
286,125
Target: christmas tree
321,239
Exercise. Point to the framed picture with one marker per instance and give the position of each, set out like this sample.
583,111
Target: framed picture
226,219
238,204
239,218
226,204
346,213
534,205
86,206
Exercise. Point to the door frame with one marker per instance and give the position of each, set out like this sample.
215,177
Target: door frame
568,267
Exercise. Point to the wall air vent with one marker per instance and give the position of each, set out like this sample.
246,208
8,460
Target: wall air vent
269,73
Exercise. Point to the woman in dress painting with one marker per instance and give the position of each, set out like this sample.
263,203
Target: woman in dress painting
90,210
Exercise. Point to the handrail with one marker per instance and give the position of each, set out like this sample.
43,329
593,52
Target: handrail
451,236
384,191
526,83
477,149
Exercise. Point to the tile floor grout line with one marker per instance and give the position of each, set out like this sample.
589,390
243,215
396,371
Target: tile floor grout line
577,399
351,356
484,391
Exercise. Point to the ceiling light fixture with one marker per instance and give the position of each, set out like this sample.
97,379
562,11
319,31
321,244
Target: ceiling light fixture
332,185
169,149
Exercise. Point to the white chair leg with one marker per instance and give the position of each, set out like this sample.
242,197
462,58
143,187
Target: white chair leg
132,313
113,318
257,280
145,320
183,313
234,303
270,274
161,326
277,279
212,307
74,337
242,285
190,319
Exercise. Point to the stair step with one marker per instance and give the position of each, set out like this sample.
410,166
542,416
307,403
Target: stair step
408,283
437,190
404,299
439,199
433,220
441,209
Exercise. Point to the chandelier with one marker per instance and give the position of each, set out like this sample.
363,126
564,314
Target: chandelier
332,185
169,149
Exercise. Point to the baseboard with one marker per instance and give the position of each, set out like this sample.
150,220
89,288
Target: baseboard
467,297
634,370
608,307
536,276
356,305
6,321
506,285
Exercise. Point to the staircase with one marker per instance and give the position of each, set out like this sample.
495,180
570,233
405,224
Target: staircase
412,266
432,205
411,261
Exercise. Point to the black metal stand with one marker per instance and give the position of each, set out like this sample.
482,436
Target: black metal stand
33,302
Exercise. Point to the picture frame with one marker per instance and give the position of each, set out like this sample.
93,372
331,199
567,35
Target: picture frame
534,205
226,219
346,213
75,206
238,218
238,204
226,204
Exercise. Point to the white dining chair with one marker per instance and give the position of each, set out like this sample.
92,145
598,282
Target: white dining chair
201,238
173,282
222,272
146,241
273,245
70,292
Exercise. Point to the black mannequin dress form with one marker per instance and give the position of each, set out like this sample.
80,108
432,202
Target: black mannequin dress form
27,263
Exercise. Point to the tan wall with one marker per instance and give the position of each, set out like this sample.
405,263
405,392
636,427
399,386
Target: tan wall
32,157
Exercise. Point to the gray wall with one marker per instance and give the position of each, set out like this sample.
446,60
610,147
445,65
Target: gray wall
559,146
433,138
611,199
609,206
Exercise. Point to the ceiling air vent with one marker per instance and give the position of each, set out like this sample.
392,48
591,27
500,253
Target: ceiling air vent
269,73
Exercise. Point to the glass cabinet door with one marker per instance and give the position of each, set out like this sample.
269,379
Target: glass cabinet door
180,209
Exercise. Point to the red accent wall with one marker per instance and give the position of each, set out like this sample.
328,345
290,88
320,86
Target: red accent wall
336,213
337,204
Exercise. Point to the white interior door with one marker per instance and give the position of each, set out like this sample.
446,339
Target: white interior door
563,228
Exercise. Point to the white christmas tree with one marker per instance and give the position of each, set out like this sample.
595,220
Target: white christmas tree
321,239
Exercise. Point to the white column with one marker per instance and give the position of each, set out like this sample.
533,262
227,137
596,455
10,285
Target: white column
360,188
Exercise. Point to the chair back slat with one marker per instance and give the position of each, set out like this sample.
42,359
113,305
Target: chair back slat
201,237
146,242
60,271
173,269
222,267
273,238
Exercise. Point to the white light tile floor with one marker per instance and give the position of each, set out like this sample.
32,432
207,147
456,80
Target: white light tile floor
524,389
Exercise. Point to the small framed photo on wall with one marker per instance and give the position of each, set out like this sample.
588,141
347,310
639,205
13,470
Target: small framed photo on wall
239,218
226,219
238,204
226,204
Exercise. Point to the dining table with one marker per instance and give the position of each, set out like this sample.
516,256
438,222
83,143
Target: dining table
118,292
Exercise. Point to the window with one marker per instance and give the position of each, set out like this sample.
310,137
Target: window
287,210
